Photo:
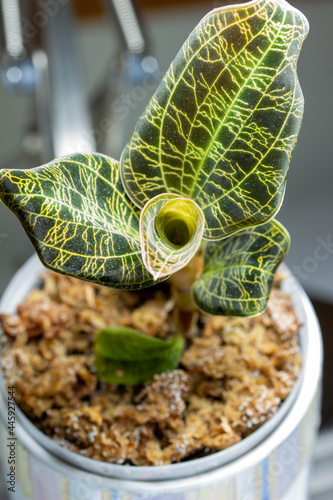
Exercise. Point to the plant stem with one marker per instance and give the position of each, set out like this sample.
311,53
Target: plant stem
186,311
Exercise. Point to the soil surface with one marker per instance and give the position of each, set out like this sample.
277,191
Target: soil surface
233,376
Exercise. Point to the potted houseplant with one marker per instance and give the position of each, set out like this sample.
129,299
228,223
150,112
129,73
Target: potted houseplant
198,185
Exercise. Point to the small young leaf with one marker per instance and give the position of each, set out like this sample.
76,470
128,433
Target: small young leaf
126,344
125,356
223,124
79,219
171,229
239,270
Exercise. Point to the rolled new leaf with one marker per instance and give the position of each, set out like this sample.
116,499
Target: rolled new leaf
239,270
171,229
223,124
79,219
126,356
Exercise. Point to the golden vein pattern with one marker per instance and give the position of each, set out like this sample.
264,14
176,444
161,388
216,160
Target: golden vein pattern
223,124
79,219
239,270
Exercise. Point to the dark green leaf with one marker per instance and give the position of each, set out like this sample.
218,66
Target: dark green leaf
239,270
125,356
79,219
223,124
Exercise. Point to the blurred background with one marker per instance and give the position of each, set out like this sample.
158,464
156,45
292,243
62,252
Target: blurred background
76,75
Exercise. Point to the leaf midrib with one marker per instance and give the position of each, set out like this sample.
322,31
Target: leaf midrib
227,192
219,75
174,89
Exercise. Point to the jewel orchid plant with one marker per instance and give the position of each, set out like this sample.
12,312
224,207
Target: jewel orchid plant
204,171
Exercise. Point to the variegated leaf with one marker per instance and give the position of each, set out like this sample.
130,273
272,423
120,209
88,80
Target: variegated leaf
239,270
171,229
79,219
223,124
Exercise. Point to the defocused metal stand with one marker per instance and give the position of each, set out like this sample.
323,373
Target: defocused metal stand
70,118
135,64
52,72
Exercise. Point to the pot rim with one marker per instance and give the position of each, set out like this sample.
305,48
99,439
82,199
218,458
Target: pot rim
197,472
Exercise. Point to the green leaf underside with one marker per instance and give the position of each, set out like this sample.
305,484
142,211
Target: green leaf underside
239,271
126,356
79,219
160,258
222,126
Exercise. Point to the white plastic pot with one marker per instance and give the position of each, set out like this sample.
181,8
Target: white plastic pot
270,464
